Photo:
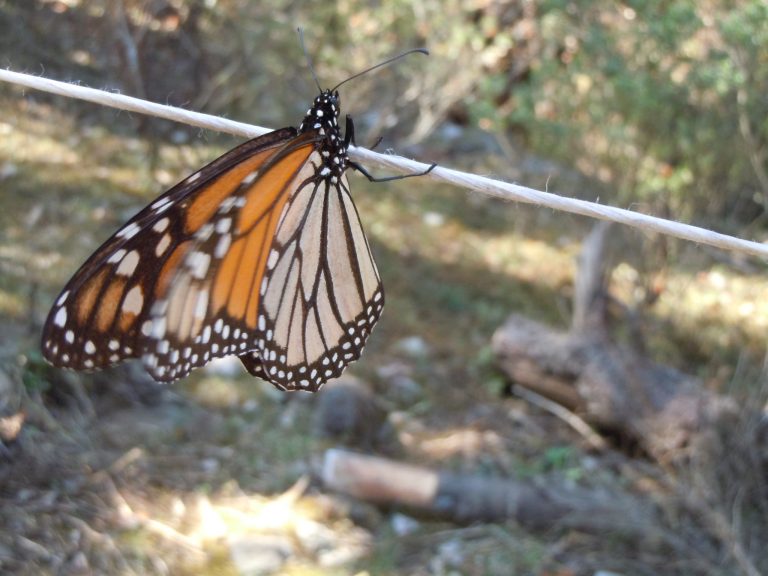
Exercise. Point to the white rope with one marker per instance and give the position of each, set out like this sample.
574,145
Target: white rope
402,165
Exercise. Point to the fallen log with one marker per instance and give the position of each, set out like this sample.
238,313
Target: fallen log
613,386
539,504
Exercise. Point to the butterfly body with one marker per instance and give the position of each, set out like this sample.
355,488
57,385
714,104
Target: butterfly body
260,254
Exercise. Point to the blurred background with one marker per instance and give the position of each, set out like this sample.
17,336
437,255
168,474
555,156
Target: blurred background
655,106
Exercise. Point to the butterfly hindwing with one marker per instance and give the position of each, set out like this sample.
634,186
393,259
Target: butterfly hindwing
323,293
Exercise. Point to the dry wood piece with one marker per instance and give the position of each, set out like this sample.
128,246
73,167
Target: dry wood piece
377,479
537,504
613,386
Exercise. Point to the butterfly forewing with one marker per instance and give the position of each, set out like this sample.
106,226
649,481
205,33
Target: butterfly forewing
103,314
211,309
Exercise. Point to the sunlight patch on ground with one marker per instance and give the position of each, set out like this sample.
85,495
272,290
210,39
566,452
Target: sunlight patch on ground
245,533
448,240
724,308
35,142
715,310
462,443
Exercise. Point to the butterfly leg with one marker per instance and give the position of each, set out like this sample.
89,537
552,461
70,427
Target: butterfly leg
373,178
349,134
349,137
378,141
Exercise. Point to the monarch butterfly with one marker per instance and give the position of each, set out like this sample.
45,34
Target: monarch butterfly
260,254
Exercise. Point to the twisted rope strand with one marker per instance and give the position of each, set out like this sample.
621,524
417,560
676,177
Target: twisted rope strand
398,164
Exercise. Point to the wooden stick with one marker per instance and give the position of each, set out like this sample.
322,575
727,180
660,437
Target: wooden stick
467,498
378,480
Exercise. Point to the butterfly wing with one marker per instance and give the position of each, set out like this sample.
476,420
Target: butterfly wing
260,254
103,315
211,308
322,293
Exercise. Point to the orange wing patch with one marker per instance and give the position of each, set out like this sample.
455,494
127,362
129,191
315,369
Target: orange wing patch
267,193
89,295
255,295
243,282
207,201
239,277
226,276
108,305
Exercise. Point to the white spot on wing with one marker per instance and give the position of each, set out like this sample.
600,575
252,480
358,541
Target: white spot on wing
202,304
162,245
161,225
62,298
134,300
160,203
205,232
158,328
222,226
227,204
164,207
129,263
61,317
273,256
129,231
200,263
116,257
222,246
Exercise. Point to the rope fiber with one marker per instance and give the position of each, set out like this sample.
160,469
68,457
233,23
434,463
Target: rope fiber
400,165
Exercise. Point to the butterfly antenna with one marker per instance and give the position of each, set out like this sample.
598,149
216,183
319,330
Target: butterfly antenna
380,64
306,55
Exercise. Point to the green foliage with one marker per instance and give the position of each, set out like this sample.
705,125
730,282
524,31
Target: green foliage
36,374
664,100
561,459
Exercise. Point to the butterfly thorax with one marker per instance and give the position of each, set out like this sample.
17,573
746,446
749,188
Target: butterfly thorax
323,117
